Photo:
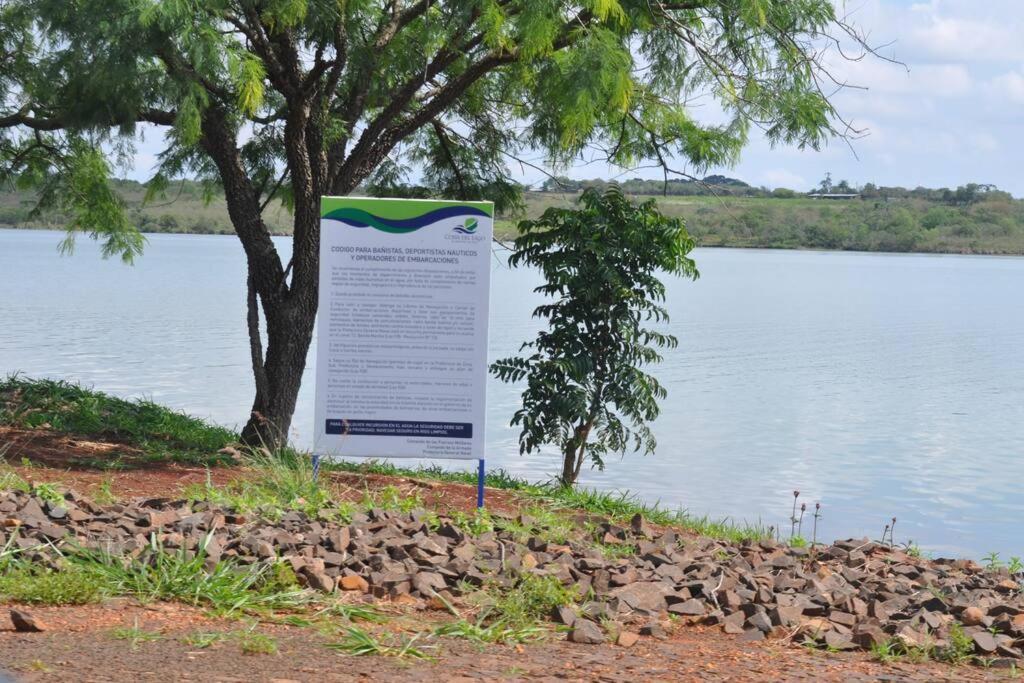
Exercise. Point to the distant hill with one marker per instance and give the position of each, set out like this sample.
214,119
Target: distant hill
186,207
711,185
974,219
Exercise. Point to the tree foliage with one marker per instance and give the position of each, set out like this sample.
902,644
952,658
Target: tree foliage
295,99
586,388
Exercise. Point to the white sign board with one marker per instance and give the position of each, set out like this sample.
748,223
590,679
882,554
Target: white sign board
401,366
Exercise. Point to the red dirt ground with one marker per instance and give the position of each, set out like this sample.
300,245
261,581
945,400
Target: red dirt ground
79,644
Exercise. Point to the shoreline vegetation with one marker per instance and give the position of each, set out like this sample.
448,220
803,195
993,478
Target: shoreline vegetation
379,561
722,212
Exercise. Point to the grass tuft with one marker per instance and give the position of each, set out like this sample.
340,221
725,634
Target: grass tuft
225,588
135,635
358,642
35,585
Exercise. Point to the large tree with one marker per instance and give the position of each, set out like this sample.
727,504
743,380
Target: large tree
287,100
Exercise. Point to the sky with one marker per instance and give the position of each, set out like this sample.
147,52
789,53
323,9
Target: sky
950,114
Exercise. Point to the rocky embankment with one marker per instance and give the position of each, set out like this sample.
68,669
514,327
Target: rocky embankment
852,594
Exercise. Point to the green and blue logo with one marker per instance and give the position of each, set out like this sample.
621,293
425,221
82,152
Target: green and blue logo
359,218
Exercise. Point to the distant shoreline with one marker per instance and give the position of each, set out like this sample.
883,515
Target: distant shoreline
507,236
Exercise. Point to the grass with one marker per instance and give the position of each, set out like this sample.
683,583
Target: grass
498,632
282,482
253,642
619,506
358,642
958,651
135,635
203,639
158,432
35,585
88,576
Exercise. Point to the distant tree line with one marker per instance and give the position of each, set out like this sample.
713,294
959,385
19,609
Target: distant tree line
719,185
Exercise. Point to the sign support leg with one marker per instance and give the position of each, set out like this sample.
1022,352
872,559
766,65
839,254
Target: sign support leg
316,467
480,485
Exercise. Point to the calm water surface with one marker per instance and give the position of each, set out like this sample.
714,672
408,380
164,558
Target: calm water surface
882,385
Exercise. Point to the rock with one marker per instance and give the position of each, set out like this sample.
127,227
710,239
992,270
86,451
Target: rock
564,615
428,583
877,609
751,636
627,639
653,629
984,642
354,583
842,618
692,607
639,527
868,636
814,627
644,596
839,641
930,619
25,622
786,616
732,628
760,621
972,616
319,581
586,632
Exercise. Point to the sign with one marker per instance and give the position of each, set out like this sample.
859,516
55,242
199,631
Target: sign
402,330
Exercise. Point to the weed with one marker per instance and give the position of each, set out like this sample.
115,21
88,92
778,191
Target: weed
913,549
541,521
961,646
532,599
391,498
480,522
613,552
498,632
358,642
278,482
1015,566
135,635
254,643
350,612
40,666
798,542
886,652
32,584
104,493
203,640
226,588
11,480
48,493
992,561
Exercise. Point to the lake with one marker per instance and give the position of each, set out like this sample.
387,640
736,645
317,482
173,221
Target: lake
881,385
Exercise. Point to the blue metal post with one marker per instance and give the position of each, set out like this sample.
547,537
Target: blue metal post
480,485
316,467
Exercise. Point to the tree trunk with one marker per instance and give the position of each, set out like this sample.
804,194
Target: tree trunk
572,455
568,477
289,334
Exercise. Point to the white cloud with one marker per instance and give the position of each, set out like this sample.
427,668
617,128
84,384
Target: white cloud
966,38
933,80
1008,86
